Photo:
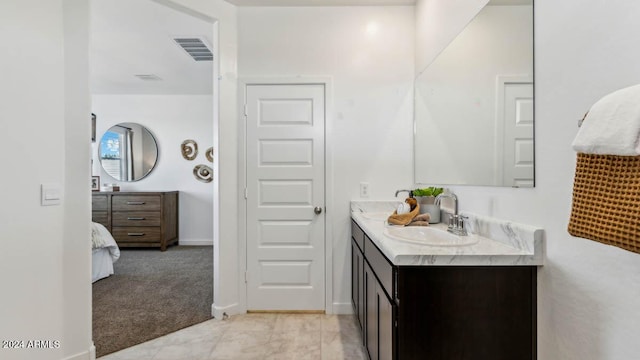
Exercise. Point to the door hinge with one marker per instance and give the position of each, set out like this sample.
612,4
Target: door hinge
246,277
246,193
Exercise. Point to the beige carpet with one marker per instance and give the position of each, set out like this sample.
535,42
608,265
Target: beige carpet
151,294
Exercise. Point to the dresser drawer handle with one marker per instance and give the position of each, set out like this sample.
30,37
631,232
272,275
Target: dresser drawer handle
135,234
136,218
135,202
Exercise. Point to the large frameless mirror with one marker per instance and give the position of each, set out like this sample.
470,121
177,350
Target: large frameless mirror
474,103
128,152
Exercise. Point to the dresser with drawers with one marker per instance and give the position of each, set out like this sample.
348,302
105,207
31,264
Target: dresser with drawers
138,219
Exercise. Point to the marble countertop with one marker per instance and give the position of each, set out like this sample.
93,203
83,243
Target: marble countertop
499,242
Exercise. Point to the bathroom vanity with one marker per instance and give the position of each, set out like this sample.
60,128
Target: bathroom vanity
474,301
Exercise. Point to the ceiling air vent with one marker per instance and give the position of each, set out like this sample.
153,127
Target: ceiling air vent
196,48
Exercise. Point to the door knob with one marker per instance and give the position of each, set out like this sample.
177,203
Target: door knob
317,210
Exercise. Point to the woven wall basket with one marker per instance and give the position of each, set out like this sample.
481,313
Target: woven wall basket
606,200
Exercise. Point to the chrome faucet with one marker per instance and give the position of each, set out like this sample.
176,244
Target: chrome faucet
456,222
448,195
409,191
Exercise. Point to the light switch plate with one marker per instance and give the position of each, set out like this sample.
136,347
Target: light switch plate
50,194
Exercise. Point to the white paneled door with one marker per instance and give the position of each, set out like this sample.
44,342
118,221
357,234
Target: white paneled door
518,134
285,196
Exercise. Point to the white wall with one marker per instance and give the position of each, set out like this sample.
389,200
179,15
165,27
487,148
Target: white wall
368,52
225,140
588,292
171,119
76,257
439,22
45,135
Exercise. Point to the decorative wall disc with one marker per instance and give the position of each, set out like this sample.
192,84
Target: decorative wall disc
209,154
203,173
189,149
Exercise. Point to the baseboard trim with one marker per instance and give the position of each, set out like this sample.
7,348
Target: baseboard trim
234,309
219,312
196,242
342,308
85,355
322,312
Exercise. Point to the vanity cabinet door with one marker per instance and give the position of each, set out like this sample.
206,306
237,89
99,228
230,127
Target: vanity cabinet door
361,295
357,286
386,323
371,313
380,319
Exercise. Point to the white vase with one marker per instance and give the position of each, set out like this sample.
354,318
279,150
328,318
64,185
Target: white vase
433,211
423,201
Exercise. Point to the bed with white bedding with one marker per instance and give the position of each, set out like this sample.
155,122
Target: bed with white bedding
104,252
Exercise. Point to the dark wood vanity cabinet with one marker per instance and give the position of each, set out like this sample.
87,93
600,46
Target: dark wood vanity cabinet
357,283
371,296
138,219
442,312
380,318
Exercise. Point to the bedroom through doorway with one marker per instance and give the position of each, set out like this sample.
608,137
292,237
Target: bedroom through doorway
151,86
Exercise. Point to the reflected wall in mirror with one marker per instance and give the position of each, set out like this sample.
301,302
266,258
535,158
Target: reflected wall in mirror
474,103
128,152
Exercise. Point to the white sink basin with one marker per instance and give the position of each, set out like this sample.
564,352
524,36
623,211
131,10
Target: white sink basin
376,215
424,235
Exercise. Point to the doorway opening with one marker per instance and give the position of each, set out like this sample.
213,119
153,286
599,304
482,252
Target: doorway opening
150,66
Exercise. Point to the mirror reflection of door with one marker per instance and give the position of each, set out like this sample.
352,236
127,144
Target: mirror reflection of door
514,146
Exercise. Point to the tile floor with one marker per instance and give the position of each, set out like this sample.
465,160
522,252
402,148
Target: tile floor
256,336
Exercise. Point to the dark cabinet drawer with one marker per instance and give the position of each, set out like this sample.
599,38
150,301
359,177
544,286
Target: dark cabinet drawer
380,266
135,203
357,234
136,234
136,218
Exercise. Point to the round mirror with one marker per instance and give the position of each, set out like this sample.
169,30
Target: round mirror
128,152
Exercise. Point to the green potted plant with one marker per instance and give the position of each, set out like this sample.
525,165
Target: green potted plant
426,198
427,195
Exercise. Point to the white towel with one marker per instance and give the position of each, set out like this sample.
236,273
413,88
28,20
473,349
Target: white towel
612,125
